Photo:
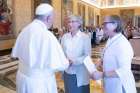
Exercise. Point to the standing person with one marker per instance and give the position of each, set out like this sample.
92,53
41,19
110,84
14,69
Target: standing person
60,34
93,39
99,35
76,46
117,58
39,53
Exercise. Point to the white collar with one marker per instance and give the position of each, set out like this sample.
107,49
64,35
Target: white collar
77,34
113,39
40,22
116,36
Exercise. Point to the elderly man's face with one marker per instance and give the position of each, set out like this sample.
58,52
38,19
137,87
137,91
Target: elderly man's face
73,25
108,26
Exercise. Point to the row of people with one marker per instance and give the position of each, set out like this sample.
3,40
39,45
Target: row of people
131,31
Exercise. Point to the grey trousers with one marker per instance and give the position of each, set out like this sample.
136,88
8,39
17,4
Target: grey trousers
70,84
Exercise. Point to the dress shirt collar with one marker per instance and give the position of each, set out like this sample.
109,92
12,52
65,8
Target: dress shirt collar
40,22
77,34
113,39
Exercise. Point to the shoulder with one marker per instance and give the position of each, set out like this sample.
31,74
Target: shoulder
124,45
66,35
84,35
123,41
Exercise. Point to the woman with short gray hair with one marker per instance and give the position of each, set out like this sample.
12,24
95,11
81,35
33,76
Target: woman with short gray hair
76,46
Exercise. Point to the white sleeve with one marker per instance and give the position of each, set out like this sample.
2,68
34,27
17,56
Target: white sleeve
89,65
58,61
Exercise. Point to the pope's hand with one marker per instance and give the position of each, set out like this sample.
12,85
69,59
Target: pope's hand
99,65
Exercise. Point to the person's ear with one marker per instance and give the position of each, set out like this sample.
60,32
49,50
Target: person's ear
116,25
79,25
47,18
113,26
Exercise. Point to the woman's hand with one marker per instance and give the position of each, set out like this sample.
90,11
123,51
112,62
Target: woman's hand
97,75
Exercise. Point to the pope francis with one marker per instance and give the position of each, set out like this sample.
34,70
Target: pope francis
39,53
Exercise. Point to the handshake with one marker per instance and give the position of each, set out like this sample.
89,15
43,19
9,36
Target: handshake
96,75
92,68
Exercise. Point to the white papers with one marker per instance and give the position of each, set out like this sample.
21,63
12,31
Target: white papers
89,65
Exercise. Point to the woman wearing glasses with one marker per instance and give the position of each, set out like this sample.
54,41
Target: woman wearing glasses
117,58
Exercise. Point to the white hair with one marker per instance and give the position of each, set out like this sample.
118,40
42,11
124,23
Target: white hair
77,18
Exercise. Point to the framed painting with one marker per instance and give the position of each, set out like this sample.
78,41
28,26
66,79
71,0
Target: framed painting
6,29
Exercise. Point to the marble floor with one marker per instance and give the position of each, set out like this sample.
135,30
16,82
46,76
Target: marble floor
6,90
7,83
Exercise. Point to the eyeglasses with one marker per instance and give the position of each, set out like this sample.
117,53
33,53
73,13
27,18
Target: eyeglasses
105,23
73,21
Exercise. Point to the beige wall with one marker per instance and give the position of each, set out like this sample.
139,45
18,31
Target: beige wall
57,6
96,12
116,11
6,44
137,11
75,7
111,11
106,12
22,14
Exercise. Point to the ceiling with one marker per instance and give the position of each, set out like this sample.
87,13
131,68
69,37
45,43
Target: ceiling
113,3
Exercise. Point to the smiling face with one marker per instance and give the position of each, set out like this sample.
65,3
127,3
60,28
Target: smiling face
109,26
74,23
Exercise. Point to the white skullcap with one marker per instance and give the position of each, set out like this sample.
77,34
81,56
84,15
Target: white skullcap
43,9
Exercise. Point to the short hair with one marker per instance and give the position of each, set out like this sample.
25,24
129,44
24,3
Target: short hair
117,19
77,18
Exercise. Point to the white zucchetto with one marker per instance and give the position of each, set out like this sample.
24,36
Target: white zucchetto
43,9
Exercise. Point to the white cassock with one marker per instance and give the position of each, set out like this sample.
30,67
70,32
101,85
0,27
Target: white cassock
40,56
118,55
